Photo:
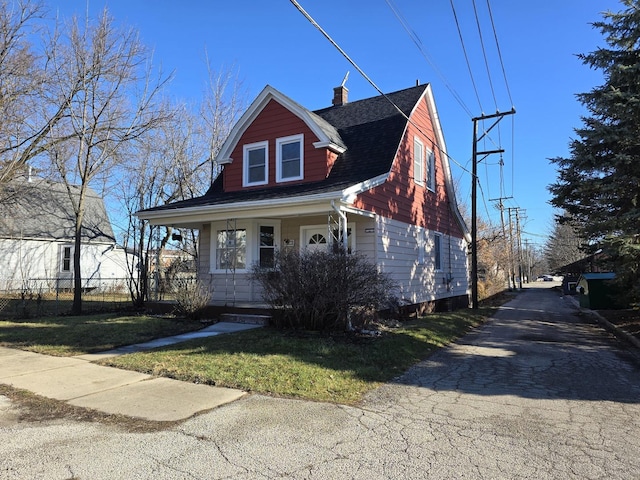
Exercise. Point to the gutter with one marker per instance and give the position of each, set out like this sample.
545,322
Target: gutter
171,213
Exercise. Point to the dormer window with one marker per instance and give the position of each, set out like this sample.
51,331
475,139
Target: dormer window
289,158
255,165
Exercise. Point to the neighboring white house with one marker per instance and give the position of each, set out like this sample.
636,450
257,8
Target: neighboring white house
37,240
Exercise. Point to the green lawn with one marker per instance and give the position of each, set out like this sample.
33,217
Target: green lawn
337,368
67,336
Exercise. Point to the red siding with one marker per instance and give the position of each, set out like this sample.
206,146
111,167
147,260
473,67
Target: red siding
275,121
400,198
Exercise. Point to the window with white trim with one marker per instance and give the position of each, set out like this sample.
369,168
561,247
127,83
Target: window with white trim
431,170
255,164
418,161
437,251
266,246
231,249
289,158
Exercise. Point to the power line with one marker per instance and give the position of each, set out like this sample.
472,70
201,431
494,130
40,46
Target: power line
484,54
416,40
368,79
495,35
466,57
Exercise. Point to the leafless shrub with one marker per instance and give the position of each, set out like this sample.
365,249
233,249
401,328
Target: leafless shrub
192,298
317,290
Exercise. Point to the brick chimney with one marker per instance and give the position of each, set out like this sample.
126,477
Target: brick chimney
340,95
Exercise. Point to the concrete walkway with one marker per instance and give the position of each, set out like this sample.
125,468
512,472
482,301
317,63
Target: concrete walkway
79,382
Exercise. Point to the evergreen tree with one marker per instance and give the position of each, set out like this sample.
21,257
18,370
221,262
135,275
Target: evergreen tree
599,183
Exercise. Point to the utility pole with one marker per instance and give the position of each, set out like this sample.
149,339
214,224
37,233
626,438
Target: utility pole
519,245
512,267
474,184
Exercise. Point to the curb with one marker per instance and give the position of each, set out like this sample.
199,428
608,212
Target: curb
607,324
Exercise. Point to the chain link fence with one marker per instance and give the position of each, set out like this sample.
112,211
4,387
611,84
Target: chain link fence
54,296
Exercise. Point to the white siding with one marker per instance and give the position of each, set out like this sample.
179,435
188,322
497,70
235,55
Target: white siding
392,244
418,281
33,263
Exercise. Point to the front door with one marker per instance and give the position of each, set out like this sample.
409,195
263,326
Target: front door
315,238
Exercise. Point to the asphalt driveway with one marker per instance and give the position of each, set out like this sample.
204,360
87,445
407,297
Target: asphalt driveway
535,393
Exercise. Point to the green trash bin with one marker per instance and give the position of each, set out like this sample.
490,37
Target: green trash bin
594,290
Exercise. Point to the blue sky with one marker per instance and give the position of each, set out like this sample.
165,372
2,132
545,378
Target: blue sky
270,42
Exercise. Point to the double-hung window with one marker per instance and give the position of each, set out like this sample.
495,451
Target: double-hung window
418,161
231,249
431,170
65,264
289,158
267,246
255,164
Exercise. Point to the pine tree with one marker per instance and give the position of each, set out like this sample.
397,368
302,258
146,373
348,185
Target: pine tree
599,183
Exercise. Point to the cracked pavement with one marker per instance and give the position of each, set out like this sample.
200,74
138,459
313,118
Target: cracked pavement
536,392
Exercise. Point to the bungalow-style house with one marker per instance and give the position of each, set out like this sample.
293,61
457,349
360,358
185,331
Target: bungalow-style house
37,240
371,175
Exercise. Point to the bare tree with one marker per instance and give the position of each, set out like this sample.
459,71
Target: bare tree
176,163
111,98
161,170
221,107
565,244
24,118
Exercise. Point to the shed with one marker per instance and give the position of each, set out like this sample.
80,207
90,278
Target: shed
594,290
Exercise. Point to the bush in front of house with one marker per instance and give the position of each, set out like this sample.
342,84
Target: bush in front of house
318,290
192,298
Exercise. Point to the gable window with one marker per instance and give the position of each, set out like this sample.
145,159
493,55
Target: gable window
437,251
231,249
65,265
289,158
431,170
418,161
255,164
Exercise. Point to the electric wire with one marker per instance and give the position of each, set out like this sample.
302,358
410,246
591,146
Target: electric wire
484,54
418,43
466,57
495,35
373,84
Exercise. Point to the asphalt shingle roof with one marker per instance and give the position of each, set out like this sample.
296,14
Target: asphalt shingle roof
371,129
42,209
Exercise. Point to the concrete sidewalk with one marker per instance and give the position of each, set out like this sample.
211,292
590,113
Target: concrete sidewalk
79,382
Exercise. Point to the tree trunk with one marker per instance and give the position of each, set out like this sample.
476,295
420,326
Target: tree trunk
76,308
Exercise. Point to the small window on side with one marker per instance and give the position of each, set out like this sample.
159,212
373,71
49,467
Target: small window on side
437,252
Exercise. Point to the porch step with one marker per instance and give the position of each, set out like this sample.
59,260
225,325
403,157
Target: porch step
252,319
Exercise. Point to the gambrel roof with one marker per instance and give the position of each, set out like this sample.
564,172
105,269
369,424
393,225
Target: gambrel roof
366,134
41,209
